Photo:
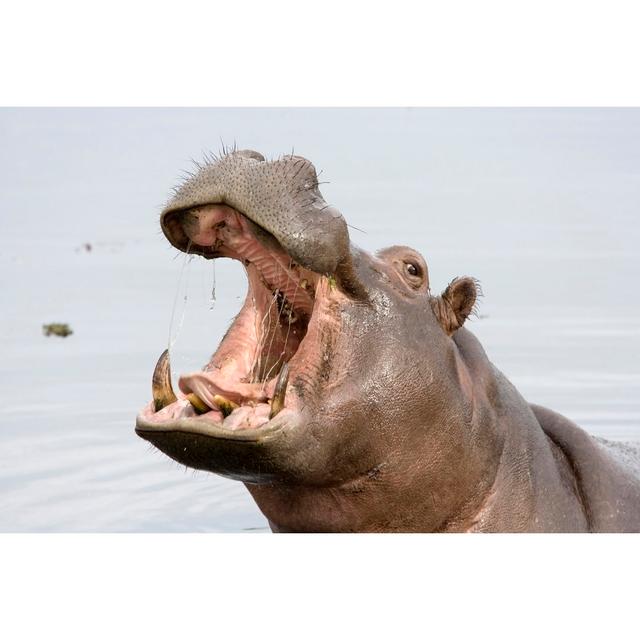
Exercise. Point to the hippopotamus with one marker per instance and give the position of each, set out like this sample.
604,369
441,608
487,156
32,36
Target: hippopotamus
348,397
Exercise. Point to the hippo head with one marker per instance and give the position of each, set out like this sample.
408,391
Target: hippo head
339,383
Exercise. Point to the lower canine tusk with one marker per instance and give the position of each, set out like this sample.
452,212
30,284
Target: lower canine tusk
277,402
161,388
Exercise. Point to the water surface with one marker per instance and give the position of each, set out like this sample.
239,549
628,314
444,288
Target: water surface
540,205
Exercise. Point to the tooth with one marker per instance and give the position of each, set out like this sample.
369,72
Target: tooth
161,389
277,402
226,406
197,403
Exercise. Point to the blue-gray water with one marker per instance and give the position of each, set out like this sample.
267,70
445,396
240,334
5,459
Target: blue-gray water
541,205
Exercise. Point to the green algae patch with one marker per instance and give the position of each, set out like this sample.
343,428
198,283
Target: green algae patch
60,329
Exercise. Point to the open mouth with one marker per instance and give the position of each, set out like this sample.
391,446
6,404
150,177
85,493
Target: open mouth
246,382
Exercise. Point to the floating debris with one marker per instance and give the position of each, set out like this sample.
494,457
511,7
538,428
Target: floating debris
61,329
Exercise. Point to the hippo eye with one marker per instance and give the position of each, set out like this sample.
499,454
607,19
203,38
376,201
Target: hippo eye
412,269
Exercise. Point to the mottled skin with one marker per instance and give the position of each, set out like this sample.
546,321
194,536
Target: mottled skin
405,425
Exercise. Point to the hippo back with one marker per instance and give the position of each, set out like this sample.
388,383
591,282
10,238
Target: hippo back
607,473
626,453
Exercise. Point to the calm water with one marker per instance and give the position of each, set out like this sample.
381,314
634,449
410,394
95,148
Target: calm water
541,205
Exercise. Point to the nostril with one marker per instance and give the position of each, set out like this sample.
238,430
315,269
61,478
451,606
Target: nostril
248,153
190,223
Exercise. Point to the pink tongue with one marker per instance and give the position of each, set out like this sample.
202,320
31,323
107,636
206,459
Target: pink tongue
206,385
248,417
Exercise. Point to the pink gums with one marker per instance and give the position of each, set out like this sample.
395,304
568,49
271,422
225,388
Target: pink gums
262,336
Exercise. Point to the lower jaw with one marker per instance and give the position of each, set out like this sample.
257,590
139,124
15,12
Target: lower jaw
253,419
254,455
245,417
218,414
147,424
248,406
244,409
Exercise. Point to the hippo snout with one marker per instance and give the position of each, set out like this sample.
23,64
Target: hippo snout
280,197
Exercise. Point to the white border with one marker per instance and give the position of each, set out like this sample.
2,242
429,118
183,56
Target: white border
290,53
322,586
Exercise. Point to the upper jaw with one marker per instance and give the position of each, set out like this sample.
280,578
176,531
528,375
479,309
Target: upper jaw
180,227
280,196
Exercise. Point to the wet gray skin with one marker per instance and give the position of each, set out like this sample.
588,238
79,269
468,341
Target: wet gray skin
399,421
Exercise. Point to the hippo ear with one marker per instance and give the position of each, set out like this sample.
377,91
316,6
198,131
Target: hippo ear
456,303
